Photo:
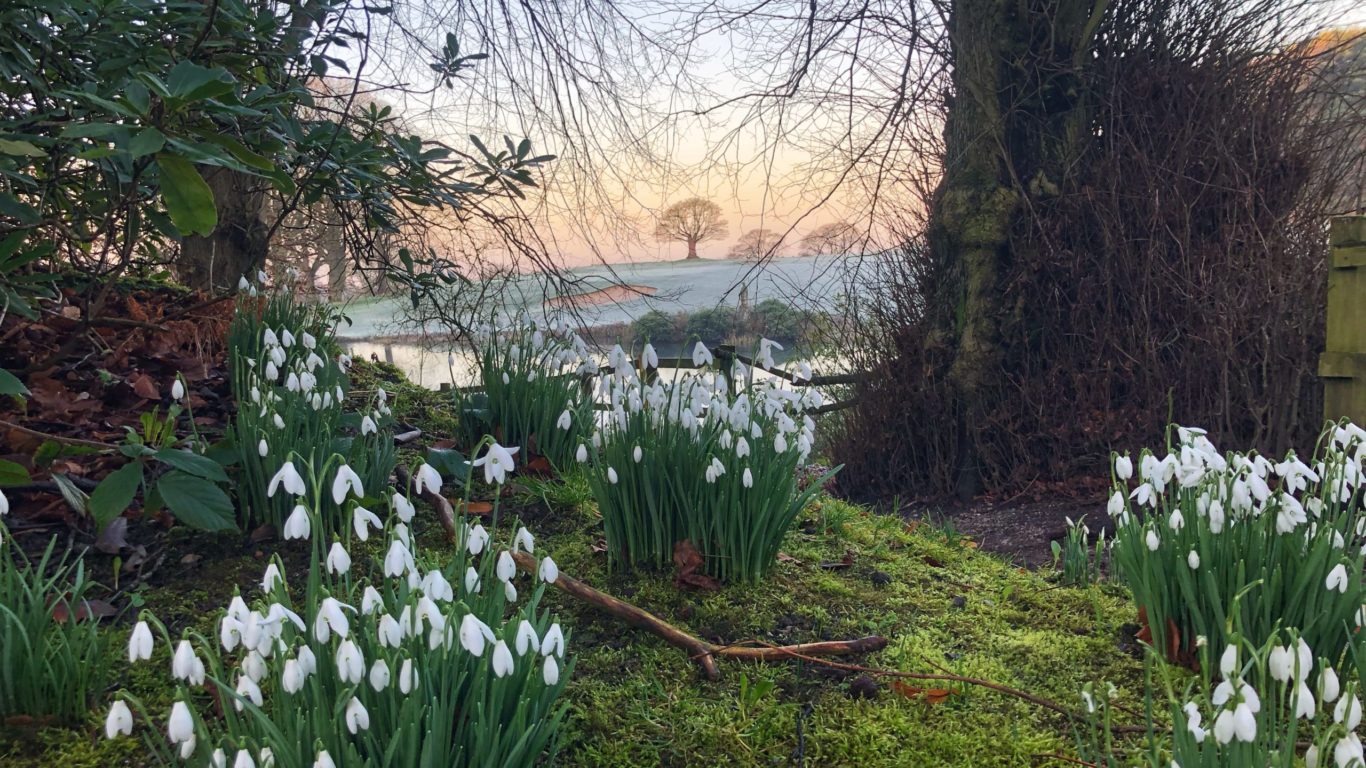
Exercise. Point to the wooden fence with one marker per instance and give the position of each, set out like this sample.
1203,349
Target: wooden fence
1342,366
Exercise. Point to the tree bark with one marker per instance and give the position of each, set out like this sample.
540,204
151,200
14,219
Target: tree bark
237,246
692,250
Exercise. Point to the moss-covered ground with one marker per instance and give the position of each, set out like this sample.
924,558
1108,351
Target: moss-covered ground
636,701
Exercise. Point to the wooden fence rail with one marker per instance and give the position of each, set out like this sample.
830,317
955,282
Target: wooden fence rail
1342,366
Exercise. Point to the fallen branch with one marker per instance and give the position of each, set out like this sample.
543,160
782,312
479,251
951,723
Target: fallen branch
57,438
699,650
444,511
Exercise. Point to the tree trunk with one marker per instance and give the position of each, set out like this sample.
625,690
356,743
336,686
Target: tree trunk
237,246
337,267
1019,112
692,250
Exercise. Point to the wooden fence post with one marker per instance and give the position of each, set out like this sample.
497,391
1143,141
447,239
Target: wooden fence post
1342,366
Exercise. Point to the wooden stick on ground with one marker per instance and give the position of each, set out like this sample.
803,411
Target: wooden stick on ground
699,650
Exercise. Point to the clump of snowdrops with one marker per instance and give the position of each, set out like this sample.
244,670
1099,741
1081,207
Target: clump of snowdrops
1196,529
689,460
51,667
1077,557
290,384
533,390
413,661
1276,704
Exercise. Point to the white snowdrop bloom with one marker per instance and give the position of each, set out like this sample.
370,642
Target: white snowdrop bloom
502,659
1193,560
350,662
288,477
526,638
550,671
271,577
243,760
357,718
701,356
371,602
435,586
741,447
362,520
346,480
1228,661
1337,579
1216,516
389,632
474,634
407,678
397,560
379,675
471,580
1329,687
477,539
524,541
612,475
185,665
747,478
180,725
1348,752
1177,521
331,618
294,384
293,676
1193,722
553,642
402,507
307,661
648,357
177,389
497,462
427,479
324,760
368,426
279,421
263,448
548,571
140,643
119,720
506,567
249,690
338,561
581,455
1152,541
637,454
1348,712
566,420
1281,663
187,746
243,285
1304,702
1124,468
286,338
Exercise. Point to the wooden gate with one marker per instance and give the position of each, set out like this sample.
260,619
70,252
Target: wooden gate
1342,366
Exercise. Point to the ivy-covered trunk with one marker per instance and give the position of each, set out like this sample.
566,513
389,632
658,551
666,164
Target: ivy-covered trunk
1019,119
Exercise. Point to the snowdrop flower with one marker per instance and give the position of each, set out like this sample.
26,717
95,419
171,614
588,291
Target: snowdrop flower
497,462
1124,468
243,760
293,676
1216,516
581,455
186,666
523,541
180,725
477,540
119,720
407,678
1153,541
330,619
1193,560
1348,711
362,519
526,638
701,356
346,479
379,675
1348,752
1177,521
741,447
565,421
1228,661
338,561
4,504
471,580
367,426
249,690
298,525
474,634
550,673
271,577
510,591
637,454
1337,579
548,571
1241,720
178,389
397,560
435,586
747,478
611,476
1329,687
140,643
402,507
242,285
502,659
357,718
324,760
370,601
553,642
1304,702
389,632
1193,722
648,357
288,477
427,479
506,568
263,448
279,421
1281,663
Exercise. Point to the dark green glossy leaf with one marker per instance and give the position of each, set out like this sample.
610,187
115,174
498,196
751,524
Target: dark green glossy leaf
196,502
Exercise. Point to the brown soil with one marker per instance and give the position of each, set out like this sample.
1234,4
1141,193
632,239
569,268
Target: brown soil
1021,531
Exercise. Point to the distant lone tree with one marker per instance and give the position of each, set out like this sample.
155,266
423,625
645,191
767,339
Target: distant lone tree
692,221
834,239
757,244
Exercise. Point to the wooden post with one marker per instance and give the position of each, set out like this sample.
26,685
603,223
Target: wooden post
1342,366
